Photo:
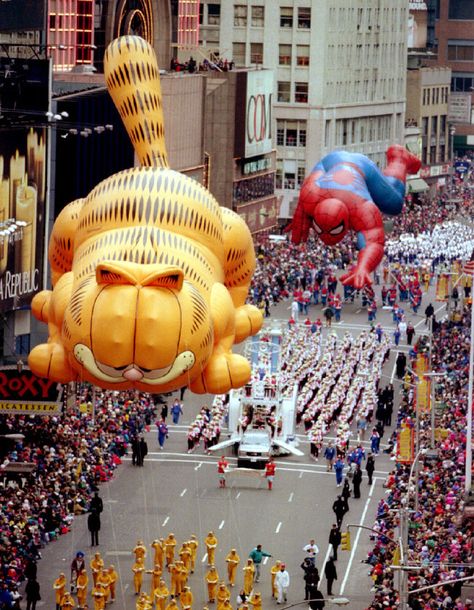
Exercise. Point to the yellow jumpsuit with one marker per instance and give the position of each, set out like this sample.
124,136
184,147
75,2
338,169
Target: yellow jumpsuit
182,577
273,571
226,605
67,603
139,551
185,555
186,598
170,543
81,585
113,576
138,569
249,571
233,561
212,578
60,587
97,563
172,605
159,551
99,598
103,579
193,546
223,593
174,575
161,595
256,601
211,543
155,577
143,602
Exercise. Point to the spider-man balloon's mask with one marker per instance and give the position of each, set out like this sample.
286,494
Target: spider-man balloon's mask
331,220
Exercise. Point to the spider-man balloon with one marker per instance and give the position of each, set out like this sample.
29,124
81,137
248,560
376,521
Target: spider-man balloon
348,191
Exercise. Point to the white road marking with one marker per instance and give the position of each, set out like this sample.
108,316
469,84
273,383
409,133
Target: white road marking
356,541
221,525
204,558
126,587
301,474
183,492
278,527
394,368
119,553
265,559
290,499
165,522
237,496
198,466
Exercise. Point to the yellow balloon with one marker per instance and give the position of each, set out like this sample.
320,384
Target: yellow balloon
150,275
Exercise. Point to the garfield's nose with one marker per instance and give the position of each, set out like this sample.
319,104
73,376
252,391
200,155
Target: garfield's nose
133,373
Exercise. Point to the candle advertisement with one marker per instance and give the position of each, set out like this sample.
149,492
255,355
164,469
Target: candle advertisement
22,215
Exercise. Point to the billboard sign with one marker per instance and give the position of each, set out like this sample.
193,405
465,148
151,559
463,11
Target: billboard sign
253,132
22,215
25,393
459,108
21,15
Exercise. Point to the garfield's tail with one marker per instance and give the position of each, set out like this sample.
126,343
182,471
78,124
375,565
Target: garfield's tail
133,80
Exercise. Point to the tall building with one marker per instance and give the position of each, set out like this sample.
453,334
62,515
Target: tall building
454,44
339,74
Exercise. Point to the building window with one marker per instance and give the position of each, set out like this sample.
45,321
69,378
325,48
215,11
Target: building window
302,55
462,83
238,53
304,17
461,52
301,93
291,133
240,16
461,9
301,173
284,54
284,88
213,14
256,53
258,14
286,17
279,174
254,188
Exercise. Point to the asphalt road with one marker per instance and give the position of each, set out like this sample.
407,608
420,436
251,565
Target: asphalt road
179,492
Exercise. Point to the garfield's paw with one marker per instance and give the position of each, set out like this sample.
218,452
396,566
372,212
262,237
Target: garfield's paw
248,321
50,360
222,373
40,305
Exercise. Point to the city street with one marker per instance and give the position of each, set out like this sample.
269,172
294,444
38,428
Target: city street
178,492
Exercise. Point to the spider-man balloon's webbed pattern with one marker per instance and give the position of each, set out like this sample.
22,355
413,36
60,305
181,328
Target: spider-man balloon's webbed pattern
347,191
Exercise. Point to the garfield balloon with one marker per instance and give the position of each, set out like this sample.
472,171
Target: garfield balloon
150,275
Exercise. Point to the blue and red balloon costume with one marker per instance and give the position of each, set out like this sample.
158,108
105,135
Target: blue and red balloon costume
347,191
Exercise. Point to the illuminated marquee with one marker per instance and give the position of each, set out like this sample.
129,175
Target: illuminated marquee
188,24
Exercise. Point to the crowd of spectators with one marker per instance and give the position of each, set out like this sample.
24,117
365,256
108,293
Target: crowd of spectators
440,542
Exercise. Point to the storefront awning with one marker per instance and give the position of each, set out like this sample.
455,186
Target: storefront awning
417,185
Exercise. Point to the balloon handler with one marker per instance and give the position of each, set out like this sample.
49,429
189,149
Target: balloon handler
347,191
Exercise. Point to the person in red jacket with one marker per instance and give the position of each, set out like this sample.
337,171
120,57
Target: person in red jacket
270,468
222,465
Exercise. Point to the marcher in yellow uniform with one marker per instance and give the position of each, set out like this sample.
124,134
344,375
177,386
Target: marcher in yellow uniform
98,597
186,598
155,576
174,570
226,605
103,579
256,601
182,577
81,586
113,577
172,605
161,595
212,578
143,602
59,587
185,555
158,545
223,593
211,544
97,563
138,568
67,602
233,561
193,544
139,551
249,572
273,571
170,543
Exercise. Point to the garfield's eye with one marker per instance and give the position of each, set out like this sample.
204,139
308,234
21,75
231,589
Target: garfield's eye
338,229
317,228
119,368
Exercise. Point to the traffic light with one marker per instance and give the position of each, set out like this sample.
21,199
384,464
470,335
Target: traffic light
346,541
